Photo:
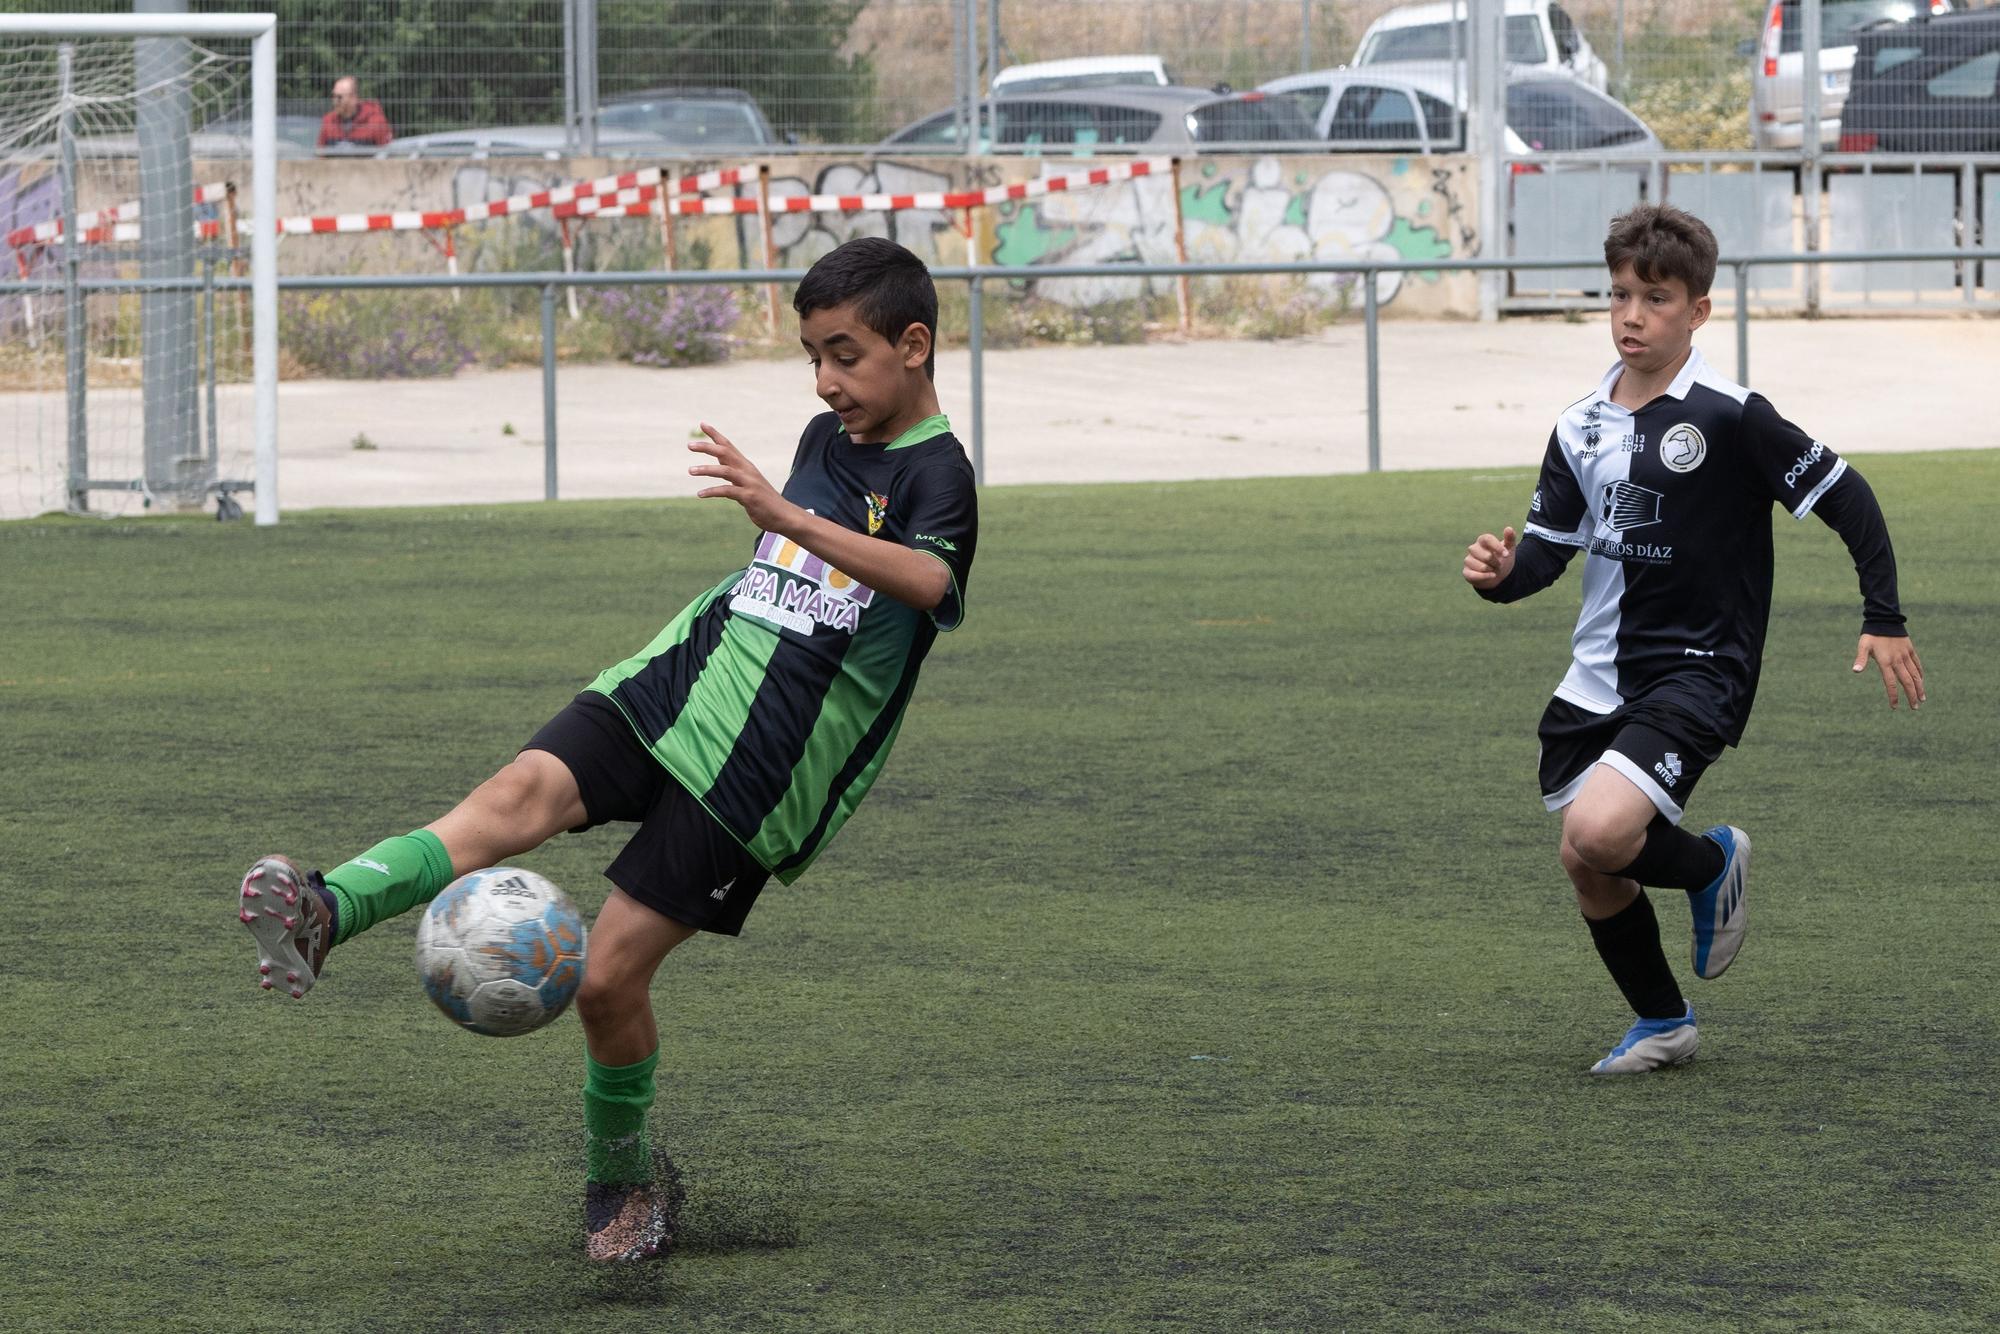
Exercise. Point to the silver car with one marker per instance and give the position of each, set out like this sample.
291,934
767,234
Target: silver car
1126,118
543,141
1777,76
1403,109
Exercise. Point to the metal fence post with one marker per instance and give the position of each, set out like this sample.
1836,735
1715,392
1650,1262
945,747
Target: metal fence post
548,391
1370,309
976,342
76,325
1743,324
1811,181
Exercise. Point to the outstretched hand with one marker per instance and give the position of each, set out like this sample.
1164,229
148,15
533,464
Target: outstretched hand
762,502
1490,560
1896,656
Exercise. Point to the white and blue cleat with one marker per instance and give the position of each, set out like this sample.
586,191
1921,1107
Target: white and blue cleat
1722,909
1650,1044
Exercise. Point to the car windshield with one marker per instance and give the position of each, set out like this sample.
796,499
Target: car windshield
1556,116
1035,122
1437,41
1246,120
1840,20
685,123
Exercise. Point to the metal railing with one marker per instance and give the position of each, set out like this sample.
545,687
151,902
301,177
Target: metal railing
552,284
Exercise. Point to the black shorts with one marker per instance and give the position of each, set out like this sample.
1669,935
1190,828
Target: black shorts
1662,750
681,863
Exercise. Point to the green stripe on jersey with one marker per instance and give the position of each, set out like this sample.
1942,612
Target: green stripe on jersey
849,799
711,718
866,684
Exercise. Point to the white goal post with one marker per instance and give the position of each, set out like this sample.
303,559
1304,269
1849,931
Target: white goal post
261,31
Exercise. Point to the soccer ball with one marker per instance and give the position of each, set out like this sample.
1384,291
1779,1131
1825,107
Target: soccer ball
501,951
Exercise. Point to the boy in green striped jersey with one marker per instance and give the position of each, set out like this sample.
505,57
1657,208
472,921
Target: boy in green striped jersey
738,741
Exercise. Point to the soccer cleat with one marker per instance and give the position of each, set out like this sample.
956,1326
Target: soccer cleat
626,1223
1650,1044
292,924
1722,909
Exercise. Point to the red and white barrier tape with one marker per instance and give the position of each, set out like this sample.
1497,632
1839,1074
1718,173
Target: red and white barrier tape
955,199
52,230
633,194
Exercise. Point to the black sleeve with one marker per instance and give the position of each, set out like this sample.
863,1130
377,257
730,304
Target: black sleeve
1557,512
1790,466
942,509
1850,509
1537,564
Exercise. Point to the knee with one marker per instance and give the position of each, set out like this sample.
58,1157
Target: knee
1596,845
517,791
605,996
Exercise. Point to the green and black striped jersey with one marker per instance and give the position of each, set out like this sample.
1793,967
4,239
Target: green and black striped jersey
775,696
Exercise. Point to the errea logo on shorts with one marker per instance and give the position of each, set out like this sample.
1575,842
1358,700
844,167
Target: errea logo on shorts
1669,768
1682,448
1803,464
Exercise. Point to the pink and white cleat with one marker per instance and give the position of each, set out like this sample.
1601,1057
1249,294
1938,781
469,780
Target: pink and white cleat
291,922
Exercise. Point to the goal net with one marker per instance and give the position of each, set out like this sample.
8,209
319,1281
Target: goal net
129,319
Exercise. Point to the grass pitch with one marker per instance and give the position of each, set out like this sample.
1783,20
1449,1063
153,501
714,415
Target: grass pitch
1200,961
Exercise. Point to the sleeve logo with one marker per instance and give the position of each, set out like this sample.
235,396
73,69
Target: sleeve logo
1803,464
1682,449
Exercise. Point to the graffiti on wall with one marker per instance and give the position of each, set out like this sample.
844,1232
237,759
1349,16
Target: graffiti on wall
1231,209
1261,209
801,238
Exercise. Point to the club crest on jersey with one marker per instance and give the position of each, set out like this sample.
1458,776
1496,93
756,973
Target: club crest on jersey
1682,448
878,512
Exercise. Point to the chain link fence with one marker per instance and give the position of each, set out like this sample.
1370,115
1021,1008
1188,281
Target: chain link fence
723,75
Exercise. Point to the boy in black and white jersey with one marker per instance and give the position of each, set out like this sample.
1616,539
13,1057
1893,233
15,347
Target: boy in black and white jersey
1664,475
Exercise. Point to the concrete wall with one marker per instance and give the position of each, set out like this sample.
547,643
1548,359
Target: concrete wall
1282,207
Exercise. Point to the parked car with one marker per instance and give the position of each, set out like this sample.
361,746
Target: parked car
1540,36
296,125
545,141
1777,76
1926,87
689,118
1044,76
1116,118
1417,110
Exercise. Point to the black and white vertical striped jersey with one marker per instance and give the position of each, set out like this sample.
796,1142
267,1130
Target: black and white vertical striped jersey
1671,506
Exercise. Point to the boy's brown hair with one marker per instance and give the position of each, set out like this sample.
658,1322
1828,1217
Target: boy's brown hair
1660,241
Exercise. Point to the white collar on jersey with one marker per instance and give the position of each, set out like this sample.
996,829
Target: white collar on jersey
1691,370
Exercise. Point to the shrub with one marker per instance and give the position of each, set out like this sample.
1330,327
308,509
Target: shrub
669,326
376,336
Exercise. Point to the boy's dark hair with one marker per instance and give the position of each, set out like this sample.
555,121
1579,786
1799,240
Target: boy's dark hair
1660,242
890,288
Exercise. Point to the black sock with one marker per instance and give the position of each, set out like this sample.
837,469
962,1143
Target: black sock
1672,858
1629,943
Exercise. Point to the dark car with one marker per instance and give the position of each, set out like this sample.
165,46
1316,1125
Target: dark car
1135,117
690,118
1931,85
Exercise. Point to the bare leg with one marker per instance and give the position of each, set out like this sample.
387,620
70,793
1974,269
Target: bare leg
1603,831
615,1002
518,809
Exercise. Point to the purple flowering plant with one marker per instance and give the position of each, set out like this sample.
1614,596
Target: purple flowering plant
669,326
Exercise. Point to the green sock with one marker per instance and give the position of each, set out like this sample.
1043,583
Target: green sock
392,877
615,1099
